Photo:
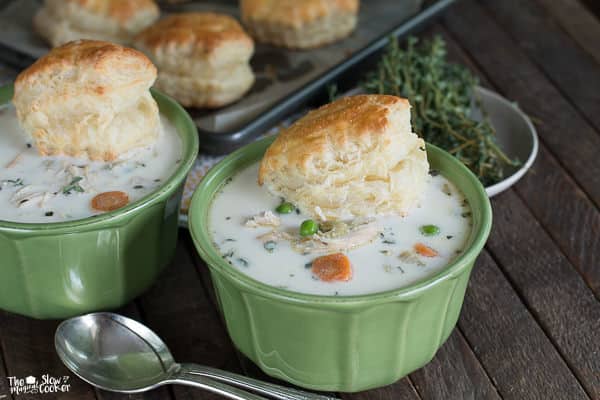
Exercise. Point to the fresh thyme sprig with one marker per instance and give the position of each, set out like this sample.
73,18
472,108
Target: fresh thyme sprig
441,95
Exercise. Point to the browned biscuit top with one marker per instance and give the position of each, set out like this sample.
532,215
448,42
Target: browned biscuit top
120,10
205,32
355,121
98,60
295,13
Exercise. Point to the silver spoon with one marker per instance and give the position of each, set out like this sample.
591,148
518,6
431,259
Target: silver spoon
119,354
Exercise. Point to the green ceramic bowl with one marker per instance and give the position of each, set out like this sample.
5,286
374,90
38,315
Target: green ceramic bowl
339,343
58,270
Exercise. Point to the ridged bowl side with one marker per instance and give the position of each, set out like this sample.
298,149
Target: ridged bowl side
341,350
58,270
339,343
62,275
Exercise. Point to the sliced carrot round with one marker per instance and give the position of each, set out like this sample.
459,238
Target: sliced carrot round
425,251
332,267
110,201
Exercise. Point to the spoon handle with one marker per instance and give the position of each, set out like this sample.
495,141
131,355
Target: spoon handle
202,382
268,389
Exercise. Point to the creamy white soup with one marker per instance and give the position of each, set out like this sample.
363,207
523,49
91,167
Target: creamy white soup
384,253
36,188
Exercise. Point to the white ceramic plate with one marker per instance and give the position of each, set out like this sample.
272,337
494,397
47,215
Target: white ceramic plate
515,133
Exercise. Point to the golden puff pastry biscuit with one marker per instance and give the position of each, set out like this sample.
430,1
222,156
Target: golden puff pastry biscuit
61,21
299,24
202,58
88,99
351,158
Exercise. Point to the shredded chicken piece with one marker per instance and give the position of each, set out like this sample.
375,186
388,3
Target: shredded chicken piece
320,214
45,198
410,257
73,170
267,218
61,171
26,196
339,237
275,236
357,235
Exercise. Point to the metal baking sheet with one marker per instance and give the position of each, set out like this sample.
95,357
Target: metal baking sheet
284,78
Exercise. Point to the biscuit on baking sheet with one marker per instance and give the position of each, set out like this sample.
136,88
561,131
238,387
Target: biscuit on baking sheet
88,99
61,21
299,24
354,157
202,58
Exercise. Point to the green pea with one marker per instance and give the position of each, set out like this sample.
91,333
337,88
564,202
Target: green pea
285,208
308,227
429,230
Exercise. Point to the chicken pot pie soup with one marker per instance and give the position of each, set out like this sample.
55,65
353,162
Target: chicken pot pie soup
37,189
371,254
84,135
342,203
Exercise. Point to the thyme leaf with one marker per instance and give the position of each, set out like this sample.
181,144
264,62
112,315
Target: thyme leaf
13,182
73,186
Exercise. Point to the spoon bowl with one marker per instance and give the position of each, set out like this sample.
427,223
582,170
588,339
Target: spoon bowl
114,353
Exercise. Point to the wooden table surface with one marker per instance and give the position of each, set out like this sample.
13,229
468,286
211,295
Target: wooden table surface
530,324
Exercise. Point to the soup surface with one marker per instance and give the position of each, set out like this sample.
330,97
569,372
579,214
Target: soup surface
385,253
36,188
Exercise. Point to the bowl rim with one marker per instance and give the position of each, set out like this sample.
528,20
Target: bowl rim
513,178
188,133
241,157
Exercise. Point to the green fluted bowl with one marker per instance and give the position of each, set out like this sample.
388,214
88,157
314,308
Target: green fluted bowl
58,270
342,343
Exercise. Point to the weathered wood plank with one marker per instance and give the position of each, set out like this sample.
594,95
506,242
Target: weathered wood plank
563,130
454,373
593,6
513,349
556,201
28,346
568,216
558,297
574,224
569,67
401,390
177,308
582,25
4,388
204,275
